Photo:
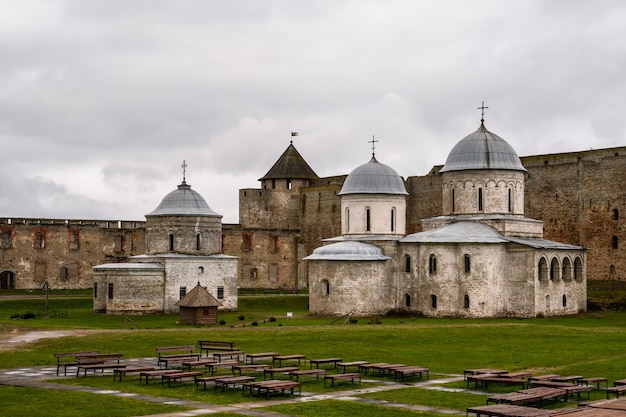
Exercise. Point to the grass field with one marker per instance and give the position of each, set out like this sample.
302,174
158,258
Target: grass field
591,345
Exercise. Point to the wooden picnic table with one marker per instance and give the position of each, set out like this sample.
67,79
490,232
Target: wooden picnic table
507,410
597,380
535,395
272,386
251,357
280,359
547,377
317,362
485,379
388,367
477,371
410,371
307,372
250,368
365,367
352,376
284,370
354,364
570,388
617,390
569,378
233,381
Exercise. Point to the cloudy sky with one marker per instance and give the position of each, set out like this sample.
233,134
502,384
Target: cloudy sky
102,100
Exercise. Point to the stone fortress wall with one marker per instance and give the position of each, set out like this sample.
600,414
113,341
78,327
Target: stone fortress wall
580,197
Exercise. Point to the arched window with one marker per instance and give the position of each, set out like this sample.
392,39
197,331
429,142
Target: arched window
554,269
614,242
325,287
480,199
564,300
433,301
198,240
542,271
63,274
466,301
368,220
407,300
510,200
452,198
393,219
615,214
467,264
347,220
432,264
407,263
612,269
578,269
95,290
566,270
171,241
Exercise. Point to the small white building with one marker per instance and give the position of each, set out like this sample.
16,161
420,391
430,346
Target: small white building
480,258
183,245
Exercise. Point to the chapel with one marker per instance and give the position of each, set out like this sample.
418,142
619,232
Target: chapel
183,251
480,258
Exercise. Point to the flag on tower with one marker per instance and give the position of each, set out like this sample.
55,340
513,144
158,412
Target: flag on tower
294,133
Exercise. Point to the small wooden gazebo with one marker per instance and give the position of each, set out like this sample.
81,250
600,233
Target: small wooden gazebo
198,306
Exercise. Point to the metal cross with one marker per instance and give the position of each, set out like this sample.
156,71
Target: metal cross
184,167
373,142
482,111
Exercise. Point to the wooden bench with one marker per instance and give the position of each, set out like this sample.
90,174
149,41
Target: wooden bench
354,364
505,410
284,370
386,368
233,355
485,380
410,371
306,373
156,374
188,365
250,368
535,395
62,359
282,358
204,380
570,388
597,380
210,367
179,376
175,354
273,386
118,373
233,381
317,362
617,390
100,362
251,357
207,346
352,376
478,371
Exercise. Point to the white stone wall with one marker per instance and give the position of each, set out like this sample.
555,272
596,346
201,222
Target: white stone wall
134,291
353,214
495,195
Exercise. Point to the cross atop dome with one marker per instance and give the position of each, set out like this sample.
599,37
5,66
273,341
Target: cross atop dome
184,167
373,142
482,111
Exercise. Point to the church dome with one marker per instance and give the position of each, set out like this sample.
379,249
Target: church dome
183,202
373,178
348,251
482,150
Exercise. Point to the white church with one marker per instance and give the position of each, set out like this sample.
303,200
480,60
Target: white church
480,258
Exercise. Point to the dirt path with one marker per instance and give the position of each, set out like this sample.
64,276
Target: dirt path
16,338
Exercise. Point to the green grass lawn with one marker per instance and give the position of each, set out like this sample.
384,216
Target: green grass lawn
589,344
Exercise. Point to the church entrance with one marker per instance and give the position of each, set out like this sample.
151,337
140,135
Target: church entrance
7,280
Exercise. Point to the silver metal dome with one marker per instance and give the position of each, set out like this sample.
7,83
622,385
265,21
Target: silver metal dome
183,202
373,178
348,251
482,150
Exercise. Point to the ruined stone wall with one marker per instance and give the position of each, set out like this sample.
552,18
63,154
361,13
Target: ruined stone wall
425,199
62,252
269,209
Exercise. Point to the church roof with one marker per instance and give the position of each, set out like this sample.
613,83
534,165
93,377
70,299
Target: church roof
373,178
348,251
183,202
290,165
482,150
198,297
460,232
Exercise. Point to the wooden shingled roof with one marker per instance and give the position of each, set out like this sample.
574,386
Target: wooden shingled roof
198,297
290,165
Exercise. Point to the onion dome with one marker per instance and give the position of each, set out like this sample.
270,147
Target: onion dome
482,150
183,202
348,251
373,178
